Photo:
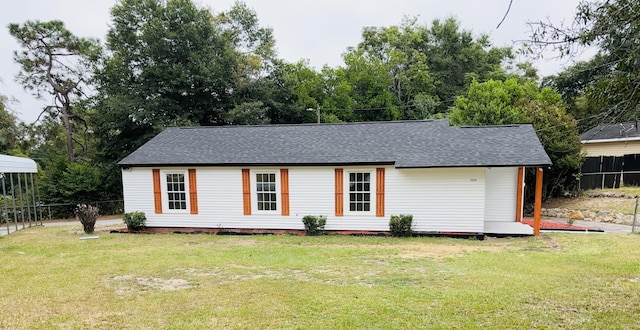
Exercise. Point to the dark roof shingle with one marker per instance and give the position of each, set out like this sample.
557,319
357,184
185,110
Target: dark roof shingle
403,143
612,131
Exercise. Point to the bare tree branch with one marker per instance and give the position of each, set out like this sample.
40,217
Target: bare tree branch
505,14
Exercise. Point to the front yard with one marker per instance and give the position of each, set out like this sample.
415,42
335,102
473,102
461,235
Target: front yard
52,279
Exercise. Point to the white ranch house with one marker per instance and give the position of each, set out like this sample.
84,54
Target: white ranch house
266,178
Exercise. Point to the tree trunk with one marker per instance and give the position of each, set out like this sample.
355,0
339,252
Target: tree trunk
67,126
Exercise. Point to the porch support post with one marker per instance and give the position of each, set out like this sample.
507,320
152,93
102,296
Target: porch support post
537,213
519,194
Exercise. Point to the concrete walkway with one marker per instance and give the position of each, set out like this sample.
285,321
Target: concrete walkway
12,227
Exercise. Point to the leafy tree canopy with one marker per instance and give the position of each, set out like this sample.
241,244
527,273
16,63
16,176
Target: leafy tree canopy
515,102
604,88
8,127
415,71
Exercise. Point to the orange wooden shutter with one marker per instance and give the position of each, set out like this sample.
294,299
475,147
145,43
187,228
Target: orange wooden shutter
380,192
193,191
339,192
284,190
246,190
157,192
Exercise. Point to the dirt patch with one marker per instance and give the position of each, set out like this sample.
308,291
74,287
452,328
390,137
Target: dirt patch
551,243
444,251
434,251
129,284
222,242
96,229
235,273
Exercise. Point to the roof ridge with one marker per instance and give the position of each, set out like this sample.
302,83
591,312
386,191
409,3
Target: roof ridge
316,124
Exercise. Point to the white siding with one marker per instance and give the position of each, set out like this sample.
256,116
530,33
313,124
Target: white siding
501,193
620,148
439,199
137,190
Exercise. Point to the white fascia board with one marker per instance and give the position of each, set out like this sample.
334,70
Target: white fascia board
626,139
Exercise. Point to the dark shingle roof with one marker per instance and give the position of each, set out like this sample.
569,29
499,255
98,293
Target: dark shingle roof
403,143
612,131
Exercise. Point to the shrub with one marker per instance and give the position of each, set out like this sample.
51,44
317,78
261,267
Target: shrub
87,215
314,225
135,220
400,225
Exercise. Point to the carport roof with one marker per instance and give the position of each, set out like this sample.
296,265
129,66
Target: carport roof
13,164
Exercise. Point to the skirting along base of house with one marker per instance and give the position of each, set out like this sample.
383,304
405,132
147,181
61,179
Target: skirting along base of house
242,231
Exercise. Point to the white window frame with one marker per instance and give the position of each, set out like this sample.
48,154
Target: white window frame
165,191
254,191
372,191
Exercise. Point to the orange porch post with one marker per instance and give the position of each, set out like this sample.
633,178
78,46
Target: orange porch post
537,213
519,194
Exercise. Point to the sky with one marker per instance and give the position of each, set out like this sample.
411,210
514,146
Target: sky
318,31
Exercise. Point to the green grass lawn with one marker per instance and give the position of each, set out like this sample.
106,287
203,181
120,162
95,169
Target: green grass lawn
52,279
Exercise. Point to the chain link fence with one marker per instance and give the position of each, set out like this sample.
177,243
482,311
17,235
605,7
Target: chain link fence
65,211
53,211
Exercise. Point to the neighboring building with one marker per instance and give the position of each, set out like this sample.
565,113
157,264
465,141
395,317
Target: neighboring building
611,140
612,156
266,178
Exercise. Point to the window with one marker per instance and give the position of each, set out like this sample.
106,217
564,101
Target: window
266,191
360,192
176,192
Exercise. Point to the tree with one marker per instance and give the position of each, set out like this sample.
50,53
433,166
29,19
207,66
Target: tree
515,102
8,127
605,88
456,58
290,89
170,63
57,62
414,71
166,65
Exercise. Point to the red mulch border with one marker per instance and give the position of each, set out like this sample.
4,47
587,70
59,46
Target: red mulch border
548,225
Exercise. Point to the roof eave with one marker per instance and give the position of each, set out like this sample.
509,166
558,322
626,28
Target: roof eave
255,164
624,139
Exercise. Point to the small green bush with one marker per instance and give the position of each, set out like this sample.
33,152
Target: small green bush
400,225
87,215
314,225
135,220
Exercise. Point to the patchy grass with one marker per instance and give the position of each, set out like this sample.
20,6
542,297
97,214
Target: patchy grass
595,204
608,204
629,191
207,281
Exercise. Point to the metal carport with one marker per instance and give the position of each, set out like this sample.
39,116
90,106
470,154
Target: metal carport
19,193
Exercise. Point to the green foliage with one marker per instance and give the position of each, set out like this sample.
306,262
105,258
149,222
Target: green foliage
167,66
411,71
8,127
314,225
87,215
604,88
400,225
65,182
135,220
248,113
516,102
56,62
